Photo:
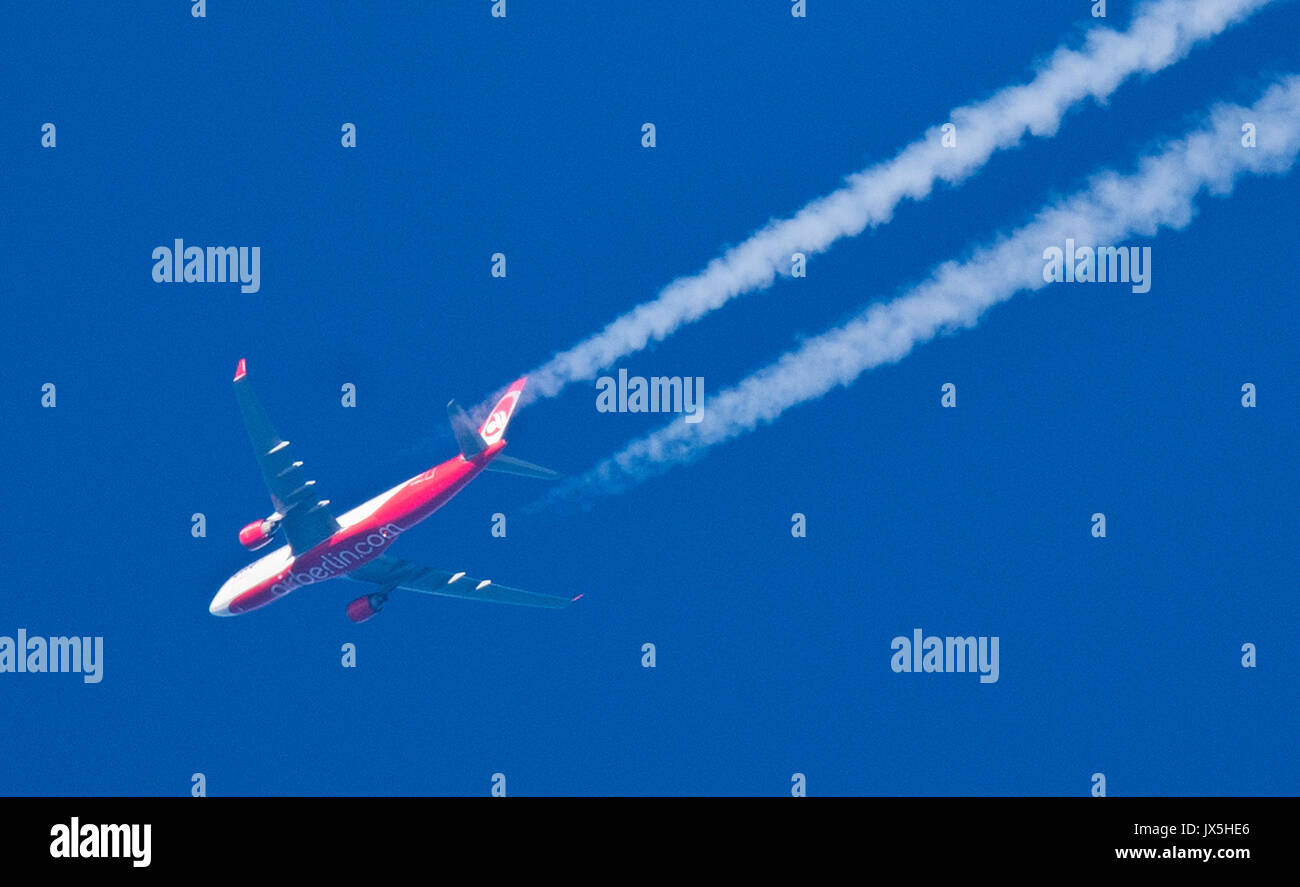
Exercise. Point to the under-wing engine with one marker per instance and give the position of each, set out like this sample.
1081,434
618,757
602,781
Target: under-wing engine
257,534
366,607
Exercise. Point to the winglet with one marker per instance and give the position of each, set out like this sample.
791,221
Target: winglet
241,370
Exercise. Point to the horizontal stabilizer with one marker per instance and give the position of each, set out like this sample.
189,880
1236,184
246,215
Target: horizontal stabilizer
510,465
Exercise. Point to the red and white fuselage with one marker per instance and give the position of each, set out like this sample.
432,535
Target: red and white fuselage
322,546
365,532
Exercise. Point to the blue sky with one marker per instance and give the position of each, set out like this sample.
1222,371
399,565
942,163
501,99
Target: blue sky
522,136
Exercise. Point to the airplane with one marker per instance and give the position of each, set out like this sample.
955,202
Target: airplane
322,547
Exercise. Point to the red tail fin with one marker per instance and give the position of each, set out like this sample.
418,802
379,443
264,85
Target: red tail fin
494,427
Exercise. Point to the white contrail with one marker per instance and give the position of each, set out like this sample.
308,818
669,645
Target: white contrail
1161,193
1160,34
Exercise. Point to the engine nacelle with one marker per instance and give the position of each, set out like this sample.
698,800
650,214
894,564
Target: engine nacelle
257,534
366,607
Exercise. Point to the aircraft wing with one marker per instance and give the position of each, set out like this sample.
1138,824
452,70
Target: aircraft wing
393,573
306,519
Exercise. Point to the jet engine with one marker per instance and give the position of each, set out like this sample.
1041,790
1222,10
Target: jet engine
257,534
366,607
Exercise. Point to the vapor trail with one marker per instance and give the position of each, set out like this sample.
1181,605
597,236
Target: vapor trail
1161,33
1161,193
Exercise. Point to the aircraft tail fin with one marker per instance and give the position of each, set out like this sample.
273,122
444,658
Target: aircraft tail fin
474,441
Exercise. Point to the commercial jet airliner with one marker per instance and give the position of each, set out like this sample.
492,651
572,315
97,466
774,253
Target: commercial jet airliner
322,546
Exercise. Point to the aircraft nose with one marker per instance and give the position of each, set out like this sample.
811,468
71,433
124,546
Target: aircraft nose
220,605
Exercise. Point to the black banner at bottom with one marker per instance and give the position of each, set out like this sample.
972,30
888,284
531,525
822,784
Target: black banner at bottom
340,835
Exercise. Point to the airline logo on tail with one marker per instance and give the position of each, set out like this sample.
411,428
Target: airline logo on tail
495,426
